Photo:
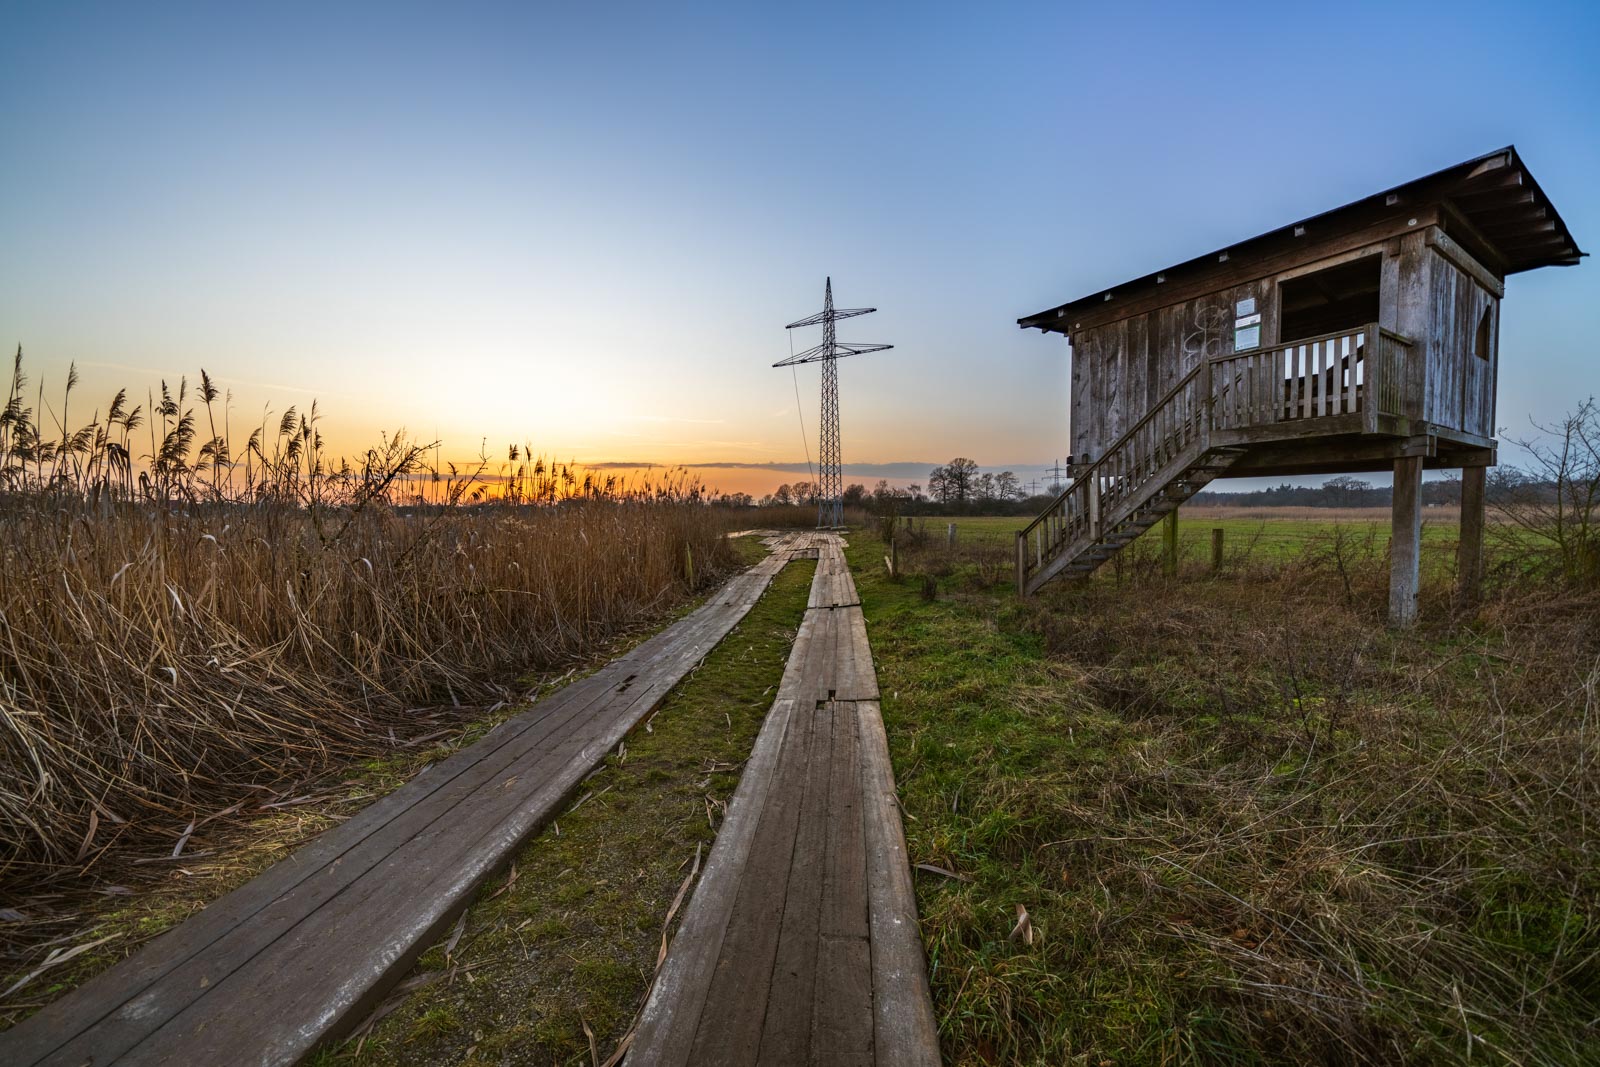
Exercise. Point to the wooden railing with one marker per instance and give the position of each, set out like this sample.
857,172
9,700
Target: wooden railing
1176,426
1351,372
1360,371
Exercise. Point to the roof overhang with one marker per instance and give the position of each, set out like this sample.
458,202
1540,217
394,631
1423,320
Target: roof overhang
1498,207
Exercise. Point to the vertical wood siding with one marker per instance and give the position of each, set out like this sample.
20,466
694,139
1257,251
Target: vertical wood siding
1121,369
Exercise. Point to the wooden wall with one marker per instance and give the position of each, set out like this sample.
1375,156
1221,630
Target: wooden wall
1459,392
1120,369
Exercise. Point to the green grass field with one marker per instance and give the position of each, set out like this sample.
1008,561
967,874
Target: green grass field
1247,824
1273,537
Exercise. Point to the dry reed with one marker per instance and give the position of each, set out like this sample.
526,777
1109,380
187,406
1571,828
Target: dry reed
180,626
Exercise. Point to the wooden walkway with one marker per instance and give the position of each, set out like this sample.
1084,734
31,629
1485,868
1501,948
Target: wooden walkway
301,953
800,944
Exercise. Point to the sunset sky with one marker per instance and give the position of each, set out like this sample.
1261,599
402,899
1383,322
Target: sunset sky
583,226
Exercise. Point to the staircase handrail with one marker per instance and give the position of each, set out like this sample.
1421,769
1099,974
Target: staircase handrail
1100,467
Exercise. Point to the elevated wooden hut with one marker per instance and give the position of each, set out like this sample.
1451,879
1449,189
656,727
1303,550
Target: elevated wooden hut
1362,339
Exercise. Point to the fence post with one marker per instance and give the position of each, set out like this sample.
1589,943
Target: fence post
950,536
1469,555
1022,563
1094,505
1169,543
1216,548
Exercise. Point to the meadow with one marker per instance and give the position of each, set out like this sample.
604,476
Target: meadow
1248,533
1246,822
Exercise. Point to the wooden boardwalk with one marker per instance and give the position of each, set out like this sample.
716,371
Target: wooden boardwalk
800,944
301,953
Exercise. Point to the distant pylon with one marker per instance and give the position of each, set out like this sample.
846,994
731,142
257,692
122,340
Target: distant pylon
1055,473
830,475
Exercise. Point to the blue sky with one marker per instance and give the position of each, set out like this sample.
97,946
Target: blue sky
584,226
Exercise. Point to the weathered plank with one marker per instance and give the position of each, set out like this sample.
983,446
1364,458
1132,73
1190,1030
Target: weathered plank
729,1029
778,959
668,1021
904,1030
299,952
786,1030
842,1016
842,1001
328,863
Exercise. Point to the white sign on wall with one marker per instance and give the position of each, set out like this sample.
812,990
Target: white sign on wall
1246,325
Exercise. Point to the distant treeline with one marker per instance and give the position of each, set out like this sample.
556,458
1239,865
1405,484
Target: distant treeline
958,488
1342,491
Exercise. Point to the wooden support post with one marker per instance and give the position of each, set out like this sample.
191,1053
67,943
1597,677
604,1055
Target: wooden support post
1022,564
1216,547
1469,556
1169,543
1405,541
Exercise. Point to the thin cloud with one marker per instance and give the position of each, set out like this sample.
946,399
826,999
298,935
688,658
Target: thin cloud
170,375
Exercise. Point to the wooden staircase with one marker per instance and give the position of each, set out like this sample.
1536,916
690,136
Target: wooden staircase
1164,459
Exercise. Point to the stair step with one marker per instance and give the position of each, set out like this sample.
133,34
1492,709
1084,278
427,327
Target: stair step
1158,501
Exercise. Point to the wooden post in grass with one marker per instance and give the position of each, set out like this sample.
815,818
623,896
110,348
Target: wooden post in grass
1169,543
1022,564
1405,541
1469,556
950,535
1216,548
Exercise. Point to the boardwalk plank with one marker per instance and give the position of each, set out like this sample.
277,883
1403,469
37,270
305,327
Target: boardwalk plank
354,906
786,1032
152,984
842,1000
668,1022
842,1022
844,858
813,943
729,1029
904,1030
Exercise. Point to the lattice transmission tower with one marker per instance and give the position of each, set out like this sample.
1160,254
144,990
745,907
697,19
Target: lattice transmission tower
830,472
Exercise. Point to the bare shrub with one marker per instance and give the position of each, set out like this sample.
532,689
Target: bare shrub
1553,507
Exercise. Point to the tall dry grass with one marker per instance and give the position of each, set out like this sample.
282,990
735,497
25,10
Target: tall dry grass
182,624
1249,823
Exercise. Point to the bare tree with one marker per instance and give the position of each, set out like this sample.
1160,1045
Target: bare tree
1555,502
955,482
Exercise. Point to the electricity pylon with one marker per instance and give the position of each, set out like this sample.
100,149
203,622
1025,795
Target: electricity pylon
830,488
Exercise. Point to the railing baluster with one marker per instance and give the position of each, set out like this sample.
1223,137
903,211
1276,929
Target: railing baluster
1265,387
1352,401
1331,385
1320,385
